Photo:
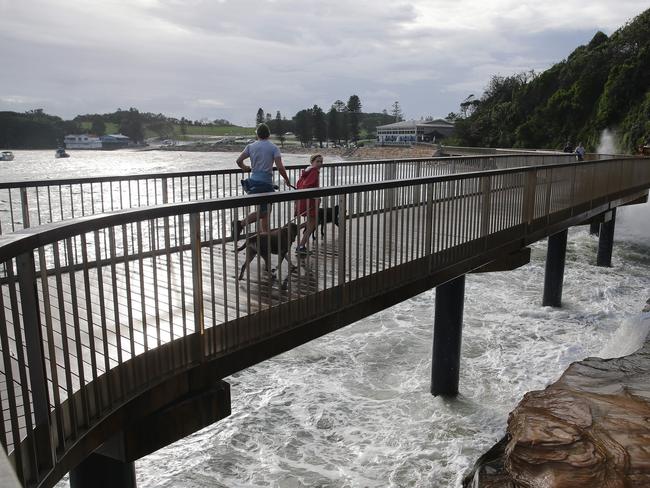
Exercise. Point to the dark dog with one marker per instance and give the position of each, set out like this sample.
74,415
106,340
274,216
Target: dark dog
280,240
326,215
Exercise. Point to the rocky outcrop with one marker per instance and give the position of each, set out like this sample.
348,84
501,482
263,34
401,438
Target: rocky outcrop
591,428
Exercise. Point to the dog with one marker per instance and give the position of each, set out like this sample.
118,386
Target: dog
280,239
326,215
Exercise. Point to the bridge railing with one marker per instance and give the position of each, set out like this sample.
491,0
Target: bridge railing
96,311
29,203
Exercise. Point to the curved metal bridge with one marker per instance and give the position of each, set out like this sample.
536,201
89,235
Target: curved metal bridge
121,306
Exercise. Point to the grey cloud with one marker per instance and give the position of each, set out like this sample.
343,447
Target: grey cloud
168,55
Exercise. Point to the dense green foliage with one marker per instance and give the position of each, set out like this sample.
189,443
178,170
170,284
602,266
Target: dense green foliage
140,125
603,85
341,124
33,130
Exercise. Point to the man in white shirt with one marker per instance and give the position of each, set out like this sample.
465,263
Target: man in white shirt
263,155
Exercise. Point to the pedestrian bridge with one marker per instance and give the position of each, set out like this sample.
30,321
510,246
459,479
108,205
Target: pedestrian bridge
121,309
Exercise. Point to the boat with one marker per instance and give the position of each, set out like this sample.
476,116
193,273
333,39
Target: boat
60,153
6,156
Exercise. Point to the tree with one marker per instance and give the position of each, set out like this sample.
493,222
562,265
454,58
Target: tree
319,124
342,121
354,109
131,125
278,127
303,127
333,125
340,106
396,111
162,128
98,126
268,118
32,130
259,118
469,106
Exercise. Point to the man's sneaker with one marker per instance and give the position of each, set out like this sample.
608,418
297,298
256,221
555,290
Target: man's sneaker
235,229
302,251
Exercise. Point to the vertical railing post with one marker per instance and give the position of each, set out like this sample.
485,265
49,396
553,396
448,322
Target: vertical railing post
486,206
342,257
24,205
573,188
165,199
197,285
417,189
528,204
165,196
428,232
390,170
332,170
26,268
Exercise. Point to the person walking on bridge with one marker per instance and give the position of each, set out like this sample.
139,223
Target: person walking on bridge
263,155
308,207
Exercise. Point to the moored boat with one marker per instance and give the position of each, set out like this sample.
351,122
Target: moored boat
6,156
60,153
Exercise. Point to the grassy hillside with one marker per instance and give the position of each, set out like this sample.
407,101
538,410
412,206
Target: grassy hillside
174,131
603,85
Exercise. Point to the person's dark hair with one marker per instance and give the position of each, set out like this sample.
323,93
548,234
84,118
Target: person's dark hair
263,131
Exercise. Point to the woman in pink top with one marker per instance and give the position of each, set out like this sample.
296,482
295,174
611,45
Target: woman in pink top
308,207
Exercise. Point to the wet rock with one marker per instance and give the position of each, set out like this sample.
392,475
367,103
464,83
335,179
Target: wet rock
591,428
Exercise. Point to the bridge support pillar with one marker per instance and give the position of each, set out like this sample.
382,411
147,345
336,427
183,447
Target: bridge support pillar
606,239
594,228
97,471
554,274
447,334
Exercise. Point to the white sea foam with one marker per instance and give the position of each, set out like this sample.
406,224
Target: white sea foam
627,338
607,144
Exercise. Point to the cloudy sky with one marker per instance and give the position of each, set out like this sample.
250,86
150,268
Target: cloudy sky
225,58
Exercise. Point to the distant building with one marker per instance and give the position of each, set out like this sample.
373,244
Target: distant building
82,141
87,141
409,132
115,141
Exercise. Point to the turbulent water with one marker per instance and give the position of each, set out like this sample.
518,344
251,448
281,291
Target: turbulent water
353,409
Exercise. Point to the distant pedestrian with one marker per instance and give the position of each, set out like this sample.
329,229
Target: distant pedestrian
568,148
310,178
580,152
263,155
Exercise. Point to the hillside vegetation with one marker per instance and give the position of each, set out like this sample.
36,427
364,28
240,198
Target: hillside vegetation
603,85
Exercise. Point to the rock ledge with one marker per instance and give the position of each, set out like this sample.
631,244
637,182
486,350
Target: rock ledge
591,428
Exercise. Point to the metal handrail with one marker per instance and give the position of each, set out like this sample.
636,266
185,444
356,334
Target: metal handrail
85,303
36,202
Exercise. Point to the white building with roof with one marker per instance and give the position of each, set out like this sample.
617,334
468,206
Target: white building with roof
82,141
408,132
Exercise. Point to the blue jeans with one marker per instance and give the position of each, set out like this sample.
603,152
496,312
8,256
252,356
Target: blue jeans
253,186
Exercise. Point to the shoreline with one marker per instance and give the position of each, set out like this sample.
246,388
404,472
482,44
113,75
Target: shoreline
347,153
588,428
